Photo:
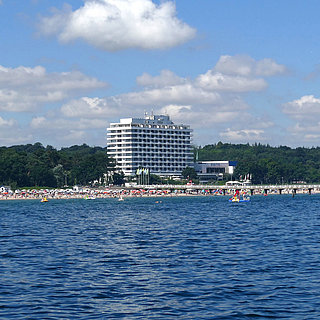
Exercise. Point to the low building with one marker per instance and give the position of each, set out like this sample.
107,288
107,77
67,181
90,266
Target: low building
214,170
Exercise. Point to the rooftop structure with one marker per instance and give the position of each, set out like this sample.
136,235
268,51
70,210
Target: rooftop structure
153,142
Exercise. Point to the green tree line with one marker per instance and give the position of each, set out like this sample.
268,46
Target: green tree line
34,165
266,164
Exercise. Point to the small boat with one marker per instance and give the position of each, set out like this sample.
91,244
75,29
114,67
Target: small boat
44,199
120,198
90,198
239,198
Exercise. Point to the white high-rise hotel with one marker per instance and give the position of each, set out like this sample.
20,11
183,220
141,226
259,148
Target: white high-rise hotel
153,142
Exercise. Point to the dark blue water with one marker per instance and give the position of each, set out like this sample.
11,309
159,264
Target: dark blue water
184,258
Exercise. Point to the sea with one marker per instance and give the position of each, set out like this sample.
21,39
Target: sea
161,258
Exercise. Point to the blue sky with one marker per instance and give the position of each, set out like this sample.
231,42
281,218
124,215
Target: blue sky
237,71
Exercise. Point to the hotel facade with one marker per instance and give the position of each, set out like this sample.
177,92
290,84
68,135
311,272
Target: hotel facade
153,142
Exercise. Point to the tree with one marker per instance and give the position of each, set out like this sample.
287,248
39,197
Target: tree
118,179
189,173
155,179
59,174
34,165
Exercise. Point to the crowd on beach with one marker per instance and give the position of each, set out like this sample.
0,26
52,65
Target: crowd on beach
148,191
92,193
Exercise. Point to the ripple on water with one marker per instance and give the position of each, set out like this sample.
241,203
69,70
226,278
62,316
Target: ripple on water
190,258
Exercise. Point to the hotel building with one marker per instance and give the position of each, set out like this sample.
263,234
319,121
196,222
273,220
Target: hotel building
153,142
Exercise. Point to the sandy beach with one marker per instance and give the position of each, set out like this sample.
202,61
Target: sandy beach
102,193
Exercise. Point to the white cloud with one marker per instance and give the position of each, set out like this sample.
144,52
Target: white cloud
38,122
6,123
306,112
248,135
305,133
176,94
11,133
74,136
205,103
24,89
209,106
175,111
239,73
221,82
114,25
15,137
200,117
244,65
166,78
89,107
56,129
63,125
59,130
307,107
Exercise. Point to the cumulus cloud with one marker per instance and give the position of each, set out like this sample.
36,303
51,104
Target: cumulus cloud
6,123
208,105
177,94
305,111
212,101
213,90
217,81
24,88
19,136
308,133
166,78
175,111
90,107
199,117
249,135
239,73
12,133
59,130
114,25
307,107
41,122
244,65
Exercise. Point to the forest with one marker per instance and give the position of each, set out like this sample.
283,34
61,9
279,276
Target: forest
35,165
266,164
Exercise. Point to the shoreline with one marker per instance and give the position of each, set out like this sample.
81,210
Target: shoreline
55,194
155,191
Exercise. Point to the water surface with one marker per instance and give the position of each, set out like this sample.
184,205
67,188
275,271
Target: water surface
183,258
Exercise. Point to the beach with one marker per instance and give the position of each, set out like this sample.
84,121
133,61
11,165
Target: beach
147,191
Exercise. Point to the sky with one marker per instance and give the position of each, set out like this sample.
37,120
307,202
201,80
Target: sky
243,71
